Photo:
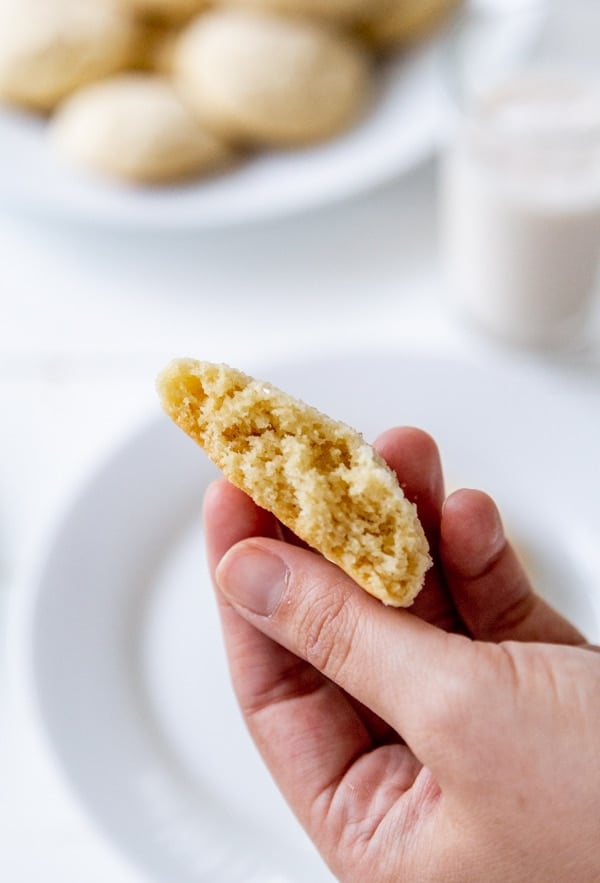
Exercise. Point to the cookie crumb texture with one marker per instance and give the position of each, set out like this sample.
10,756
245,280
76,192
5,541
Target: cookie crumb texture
318,476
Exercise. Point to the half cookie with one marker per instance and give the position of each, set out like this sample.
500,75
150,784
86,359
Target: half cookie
316,475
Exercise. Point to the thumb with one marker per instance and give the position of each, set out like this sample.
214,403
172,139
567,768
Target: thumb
413,675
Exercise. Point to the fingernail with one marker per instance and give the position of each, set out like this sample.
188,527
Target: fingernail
482,537
252,578
493,538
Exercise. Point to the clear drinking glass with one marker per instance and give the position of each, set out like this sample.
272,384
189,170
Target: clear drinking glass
520,183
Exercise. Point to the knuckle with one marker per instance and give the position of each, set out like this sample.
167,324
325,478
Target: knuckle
327,629
515,614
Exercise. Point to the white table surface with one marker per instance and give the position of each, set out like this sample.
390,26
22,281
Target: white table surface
87,320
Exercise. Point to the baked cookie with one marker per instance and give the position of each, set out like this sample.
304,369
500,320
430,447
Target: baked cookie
342,11
265,79
404,22
167,10
49,48
318,476
135,127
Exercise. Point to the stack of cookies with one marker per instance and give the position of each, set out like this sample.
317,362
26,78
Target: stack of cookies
156,91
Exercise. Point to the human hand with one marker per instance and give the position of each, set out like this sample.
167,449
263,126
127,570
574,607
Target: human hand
436,744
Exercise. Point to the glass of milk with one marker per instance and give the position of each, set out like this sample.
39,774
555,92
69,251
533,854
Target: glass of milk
520,186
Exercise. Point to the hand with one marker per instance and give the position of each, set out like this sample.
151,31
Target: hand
436,744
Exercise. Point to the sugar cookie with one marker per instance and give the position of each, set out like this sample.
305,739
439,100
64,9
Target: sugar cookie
260,78
318,476
49,48
135,127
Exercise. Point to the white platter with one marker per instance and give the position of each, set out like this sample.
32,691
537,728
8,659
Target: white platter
123,646
402,128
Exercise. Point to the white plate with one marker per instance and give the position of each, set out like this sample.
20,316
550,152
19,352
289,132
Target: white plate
128,671
402,128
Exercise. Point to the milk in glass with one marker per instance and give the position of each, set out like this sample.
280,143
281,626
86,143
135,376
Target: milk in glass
520,208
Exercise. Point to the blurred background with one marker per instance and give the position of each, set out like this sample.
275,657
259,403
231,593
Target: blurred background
391,207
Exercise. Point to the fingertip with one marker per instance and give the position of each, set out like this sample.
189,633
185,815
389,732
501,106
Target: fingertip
223,500
407,431
214,494
253,576
412,440
223,503
229,516
472,533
